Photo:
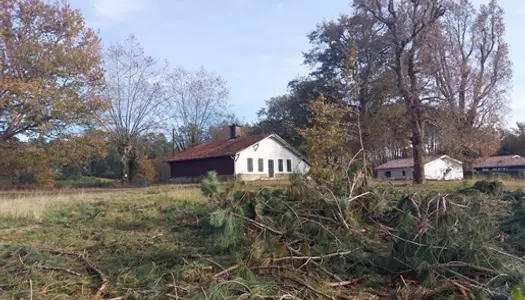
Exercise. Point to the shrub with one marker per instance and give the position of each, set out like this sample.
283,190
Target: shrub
495,188
25,178
145,170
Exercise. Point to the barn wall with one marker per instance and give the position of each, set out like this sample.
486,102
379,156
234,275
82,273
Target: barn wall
396,174
196,168
437,170
268,149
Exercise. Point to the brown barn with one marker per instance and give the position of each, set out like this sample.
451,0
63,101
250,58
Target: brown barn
237,156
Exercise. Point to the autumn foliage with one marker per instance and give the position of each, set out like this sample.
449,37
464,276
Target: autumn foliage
327,140
145,170
50,74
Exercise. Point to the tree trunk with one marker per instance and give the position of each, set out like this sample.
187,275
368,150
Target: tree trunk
124,152
123,177
132,164
468,169
419,164
417,145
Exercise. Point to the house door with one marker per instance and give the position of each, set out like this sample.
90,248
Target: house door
271,172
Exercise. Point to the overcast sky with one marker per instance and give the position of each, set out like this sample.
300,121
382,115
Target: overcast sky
255,45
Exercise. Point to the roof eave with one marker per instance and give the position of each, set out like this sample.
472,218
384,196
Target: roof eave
199,158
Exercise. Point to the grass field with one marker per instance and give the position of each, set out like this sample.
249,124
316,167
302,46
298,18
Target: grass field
86,182
130,243
442,185
137,238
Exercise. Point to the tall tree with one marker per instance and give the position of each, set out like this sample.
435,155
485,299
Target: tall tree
283,115
348,59
198,100
409,24
513,141
221,130
50,73
474,71
134,89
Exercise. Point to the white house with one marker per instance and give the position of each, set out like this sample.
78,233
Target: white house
265,156
436,168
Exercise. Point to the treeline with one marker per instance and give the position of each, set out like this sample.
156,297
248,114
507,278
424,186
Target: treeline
405,78
425,77
71,107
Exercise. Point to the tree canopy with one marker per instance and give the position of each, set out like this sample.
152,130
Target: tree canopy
50,69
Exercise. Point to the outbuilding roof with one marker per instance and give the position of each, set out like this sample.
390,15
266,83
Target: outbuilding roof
499,161
409,162
218,148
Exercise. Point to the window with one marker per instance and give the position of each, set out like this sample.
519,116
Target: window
281,168
289,165
250,164
261,165
388,174
404,173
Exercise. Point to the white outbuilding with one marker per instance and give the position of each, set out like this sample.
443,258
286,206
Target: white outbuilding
263,156
436,168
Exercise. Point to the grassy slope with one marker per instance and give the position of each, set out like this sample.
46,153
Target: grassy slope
137,239
141,240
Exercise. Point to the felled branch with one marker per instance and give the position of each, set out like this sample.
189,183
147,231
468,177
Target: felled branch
257,224
104,282
49,268
311,257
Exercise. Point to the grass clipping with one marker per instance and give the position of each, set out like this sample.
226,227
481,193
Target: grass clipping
303,242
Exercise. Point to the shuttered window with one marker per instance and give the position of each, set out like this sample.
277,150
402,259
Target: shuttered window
250,164
261,165
289,165
281,168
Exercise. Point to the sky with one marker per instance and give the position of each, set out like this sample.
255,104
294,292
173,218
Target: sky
255,45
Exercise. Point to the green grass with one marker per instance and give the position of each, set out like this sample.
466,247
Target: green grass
439,185
142,240
85,182
139,240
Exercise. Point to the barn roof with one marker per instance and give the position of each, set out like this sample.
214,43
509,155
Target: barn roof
218,148
409,162
499,161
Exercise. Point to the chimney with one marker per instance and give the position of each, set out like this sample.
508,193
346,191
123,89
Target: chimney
235,131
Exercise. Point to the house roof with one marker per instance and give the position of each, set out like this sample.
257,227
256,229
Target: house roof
409,162
218,148
499,161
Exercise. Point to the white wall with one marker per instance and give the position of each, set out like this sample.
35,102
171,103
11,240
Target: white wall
266,149
437,170
396,174
434,170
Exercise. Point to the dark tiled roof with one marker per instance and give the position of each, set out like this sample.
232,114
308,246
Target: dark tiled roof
403,163
218,148
499,161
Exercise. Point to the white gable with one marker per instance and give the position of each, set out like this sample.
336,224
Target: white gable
271,148
444,168
441,168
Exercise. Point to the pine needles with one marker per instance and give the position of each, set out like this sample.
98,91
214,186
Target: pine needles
315,244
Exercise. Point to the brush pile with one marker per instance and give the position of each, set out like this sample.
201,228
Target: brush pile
304,242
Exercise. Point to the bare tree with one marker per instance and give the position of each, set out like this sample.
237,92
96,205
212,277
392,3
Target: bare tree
134,90
198,100
473,75
408,25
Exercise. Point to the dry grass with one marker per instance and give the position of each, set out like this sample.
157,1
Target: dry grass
34,204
